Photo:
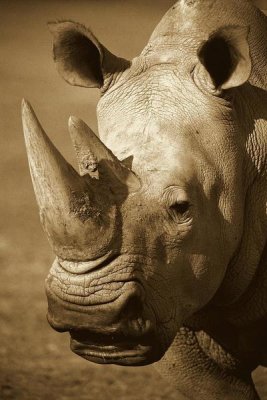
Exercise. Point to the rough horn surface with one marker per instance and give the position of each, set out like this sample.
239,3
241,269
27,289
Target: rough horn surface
70,214
92,154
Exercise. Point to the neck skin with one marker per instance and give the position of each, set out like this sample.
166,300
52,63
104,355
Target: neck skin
197,373
243,286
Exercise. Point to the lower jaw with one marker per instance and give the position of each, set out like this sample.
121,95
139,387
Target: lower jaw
137,356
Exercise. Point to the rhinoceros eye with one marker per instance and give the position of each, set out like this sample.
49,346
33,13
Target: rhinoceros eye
180,207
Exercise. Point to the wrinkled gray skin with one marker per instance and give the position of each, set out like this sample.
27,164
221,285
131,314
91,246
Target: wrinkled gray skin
177,270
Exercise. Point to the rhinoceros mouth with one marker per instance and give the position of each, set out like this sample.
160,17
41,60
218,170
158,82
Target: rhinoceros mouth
116,348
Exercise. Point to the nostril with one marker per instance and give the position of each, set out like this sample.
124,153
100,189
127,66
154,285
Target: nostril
133,307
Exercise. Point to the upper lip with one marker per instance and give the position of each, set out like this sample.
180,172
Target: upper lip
136,331
103,340
84,267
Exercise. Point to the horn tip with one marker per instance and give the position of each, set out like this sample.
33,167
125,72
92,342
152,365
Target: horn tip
25,105
27,116
74,121
77,125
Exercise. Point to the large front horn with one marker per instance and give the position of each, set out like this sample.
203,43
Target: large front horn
76,211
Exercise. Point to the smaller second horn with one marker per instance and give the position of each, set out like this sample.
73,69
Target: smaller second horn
91,152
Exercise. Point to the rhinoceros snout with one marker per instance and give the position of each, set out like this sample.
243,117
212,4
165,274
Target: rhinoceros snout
124,306
115,329
82,295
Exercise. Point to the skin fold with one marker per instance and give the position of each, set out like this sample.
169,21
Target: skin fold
161,239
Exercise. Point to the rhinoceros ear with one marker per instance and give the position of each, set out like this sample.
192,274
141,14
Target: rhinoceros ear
80,59
225,58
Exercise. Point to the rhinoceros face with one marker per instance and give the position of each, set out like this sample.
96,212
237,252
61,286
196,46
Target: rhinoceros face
142,243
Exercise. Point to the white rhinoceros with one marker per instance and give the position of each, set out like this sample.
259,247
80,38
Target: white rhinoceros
161,241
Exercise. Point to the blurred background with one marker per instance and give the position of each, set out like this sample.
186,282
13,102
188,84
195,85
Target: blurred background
36,362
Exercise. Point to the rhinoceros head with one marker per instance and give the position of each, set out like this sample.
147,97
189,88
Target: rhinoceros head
144,233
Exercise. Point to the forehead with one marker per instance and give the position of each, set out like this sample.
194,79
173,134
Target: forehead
148,94
144,112
155,113
153,103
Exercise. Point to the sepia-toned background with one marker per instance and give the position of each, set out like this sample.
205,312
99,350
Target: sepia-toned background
35,361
